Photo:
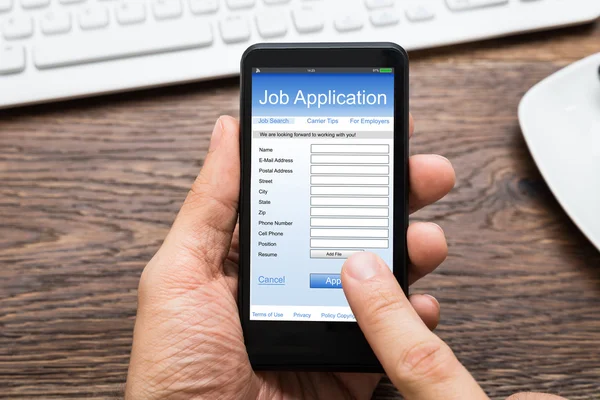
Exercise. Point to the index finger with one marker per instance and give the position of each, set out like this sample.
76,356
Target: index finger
418,362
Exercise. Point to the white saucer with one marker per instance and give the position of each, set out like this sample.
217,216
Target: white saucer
560,120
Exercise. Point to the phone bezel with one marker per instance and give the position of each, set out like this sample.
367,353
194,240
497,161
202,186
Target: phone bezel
312,345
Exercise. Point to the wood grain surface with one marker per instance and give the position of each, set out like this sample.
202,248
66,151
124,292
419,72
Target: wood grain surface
89,188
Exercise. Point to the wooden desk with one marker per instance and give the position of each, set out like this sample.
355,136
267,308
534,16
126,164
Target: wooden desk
89,189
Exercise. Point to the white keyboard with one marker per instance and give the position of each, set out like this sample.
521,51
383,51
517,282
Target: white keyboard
59,49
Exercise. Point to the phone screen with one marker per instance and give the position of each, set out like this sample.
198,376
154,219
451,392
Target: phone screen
322,166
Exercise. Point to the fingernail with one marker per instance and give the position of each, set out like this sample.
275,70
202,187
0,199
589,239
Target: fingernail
362,266
217,134
432,299
443,159
439,228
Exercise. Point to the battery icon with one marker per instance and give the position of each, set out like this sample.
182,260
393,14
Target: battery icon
385,70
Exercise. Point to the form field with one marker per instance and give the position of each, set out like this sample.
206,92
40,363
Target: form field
354,233
349,201
349,211
350,243
350,148
350,169
346,159
349,180
350,190
351,222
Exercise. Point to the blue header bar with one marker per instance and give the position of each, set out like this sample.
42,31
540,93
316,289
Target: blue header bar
315,94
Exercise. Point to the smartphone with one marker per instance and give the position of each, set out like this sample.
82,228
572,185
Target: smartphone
324,174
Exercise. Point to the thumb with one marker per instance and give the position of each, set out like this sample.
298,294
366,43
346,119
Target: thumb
419,363
200,237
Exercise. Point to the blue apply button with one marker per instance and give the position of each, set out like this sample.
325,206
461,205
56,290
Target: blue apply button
325,281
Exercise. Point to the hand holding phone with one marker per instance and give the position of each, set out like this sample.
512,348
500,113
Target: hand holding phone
188,337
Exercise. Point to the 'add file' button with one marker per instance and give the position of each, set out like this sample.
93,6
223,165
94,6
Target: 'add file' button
325,281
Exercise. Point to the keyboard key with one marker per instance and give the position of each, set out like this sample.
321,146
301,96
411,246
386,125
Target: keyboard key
385,17
238,4
235,30
5,5
93,18
167,9
308,20
71,1
419,14
12,60
463,5
373,4
272,2
17,28
348,22
76,49
130,13
271,24
54,23
204,6
34,3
